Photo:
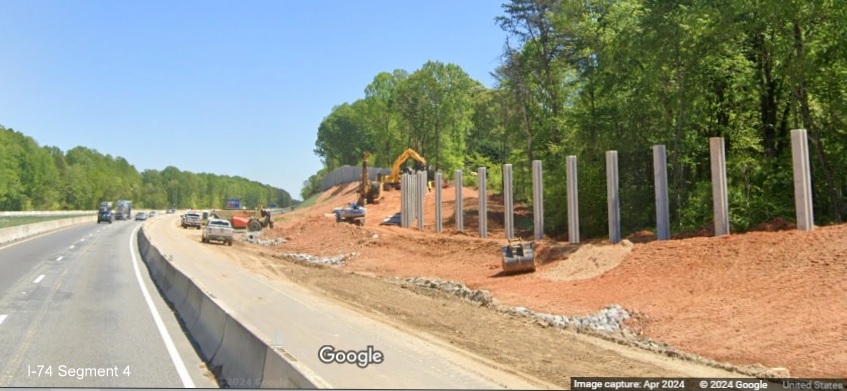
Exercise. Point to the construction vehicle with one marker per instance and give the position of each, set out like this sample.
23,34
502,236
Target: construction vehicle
393,181
369,192
518,256
251,219
124,210
352,213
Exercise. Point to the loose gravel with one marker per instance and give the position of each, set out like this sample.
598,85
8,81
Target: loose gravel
608,320
338,260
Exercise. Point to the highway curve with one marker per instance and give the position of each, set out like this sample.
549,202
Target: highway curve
74,313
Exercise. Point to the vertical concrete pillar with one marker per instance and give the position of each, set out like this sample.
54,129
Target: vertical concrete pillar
508,203
460,213
573,200
802,180
483,202
404,203
538,199
613,196
660,177
720,199
438,222
422,190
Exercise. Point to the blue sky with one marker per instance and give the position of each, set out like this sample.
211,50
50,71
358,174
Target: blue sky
227,87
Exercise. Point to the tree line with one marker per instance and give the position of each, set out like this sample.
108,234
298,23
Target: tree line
579,77
46,178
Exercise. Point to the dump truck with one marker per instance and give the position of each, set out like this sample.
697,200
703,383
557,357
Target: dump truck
123,210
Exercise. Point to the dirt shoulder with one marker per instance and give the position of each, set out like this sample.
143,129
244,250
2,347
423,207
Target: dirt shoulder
756,300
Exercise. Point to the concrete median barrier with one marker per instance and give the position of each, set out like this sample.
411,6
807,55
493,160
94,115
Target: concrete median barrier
189,310
179,289
241,357
11,234
208,330
284,371
236,355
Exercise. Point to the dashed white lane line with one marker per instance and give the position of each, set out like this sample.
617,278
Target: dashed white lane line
2,318
59,259
72,247
37,280
166,337
82,240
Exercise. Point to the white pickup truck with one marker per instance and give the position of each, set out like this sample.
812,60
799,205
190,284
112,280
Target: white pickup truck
217,230
192,219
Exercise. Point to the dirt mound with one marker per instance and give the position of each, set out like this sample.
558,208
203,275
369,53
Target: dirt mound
589,261
770,298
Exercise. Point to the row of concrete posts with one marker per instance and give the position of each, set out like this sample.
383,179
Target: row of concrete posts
414,188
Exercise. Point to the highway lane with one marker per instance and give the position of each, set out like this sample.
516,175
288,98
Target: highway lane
73,313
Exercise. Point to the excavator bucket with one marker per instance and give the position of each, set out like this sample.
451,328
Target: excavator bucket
518,256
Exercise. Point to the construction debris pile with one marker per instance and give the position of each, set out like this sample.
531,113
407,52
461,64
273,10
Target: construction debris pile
609,320
339,260
254,237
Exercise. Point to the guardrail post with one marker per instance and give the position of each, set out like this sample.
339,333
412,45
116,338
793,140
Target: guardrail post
438,222
508,204
720,201
613,196
483,203
660,176
460,224
538,199
802,180
573,200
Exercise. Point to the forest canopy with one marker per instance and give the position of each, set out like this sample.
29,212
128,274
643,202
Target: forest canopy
583,77
45,178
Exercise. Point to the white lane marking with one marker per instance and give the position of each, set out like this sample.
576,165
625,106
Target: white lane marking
82,240
72,247
59,259
37,280
169,343
2,318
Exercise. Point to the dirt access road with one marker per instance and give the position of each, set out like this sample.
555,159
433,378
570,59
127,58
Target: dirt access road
757,301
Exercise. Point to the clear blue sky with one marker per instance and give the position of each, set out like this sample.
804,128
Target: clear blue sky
226,87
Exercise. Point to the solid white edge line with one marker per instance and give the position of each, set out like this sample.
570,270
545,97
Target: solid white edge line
2,318
166,337
37,280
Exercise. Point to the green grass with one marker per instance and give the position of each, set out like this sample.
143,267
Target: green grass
13,221
307,202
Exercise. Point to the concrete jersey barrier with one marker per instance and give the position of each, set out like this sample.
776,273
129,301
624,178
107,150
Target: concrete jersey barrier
237,355
12,234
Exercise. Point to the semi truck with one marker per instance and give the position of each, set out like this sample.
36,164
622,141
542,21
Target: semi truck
123,211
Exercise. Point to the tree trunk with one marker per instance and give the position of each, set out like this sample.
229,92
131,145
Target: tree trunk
803,97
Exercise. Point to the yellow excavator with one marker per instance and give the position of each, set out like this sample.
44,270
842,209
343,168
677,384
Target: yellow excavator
394,179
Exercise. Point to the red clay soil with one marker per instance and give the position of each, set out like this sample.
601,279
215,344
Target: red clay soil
772,298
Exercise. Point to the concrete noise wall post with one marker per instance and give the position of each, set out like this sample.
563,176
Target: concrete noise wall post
438,222
460,213
508,203
720,200
538,199
802,180
483,203
613,196
660,177
573,200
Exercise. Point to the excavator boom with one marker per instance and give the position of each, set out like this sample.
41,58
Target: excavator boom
406,155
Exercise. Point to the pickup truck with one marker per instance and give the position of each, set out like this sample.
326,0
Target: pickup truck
192,220
217,230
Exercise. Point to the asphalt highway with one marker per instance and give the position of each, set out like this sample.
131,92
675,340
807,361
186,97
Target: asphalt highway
78,309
